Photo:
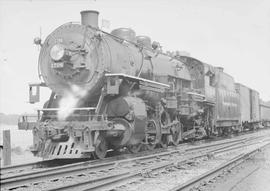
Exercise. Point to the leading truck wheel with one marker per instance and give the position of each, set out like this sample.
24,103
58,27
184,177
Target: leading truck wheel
101,147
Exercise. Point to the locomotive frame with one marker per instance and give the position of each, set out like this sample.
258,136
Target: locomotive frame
138,97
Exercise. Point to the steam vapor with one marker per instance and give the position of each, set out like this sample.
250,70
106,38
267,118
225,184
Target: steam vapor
69,101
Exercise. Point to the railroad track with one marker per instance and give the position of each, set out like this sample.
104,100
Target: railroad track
73,171
50,165
110,181
17,169
201,180
21,168
14,171
27,167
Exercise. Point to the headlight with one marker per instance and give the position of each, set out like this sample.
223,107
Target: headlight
57,52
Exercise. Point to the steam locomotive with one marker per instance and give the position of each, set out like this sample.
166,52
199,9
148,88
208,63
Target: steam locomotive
117,90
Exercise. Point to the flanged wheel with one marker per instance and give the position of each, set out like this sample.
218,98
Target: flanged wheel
134,148
175,131
164,121
164,118
164,141
152,135
101,147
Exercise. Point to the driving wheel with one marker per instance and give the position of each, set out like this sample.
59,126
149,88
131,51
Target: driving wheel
134,148
101,147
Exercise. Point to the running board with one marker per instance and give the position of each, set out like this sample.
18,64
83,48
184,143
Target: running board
143,83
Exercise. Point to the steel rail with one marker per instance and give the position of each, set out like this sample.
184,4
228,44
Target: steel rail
196,182
158,154
6,170
12,181
51,173
22,167
101,182
38,164
30,177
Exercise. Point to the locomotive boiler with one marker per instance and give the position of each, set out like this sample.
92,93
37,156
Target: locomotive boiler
109,91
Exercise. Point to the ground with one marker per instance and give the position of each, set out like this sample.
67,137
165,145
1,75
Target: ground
253,175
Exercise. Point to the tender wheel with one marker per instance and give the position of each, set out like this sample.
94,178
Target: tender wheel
101,147
134,148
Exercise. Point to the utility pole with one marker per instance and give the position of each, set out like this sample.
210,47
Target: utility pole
6,148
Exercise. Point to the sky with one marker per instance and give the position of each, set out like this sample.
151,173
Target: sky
234,34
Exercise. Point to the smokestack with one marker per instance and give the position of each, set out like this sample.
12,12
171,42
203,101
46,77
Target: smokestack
89,18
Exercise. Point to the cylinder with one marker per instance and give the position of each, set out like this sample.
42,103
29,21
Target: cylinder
90,18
